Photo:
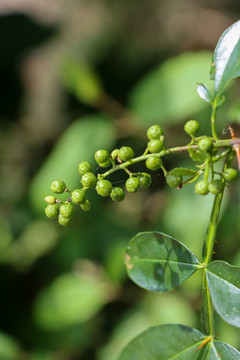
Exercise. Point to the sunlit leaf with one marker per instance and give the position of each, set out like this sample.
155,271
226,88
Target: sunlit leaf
70,299
224,285
167,93
9,349
180,342
227,57
157,262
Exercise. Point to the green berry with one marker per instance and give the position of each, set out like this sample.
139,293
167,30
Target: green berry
102,156
145,180
125,153
154,132
78,196
89,180
215,186
192,127
52,211
117,194
105,164
104,187
50,200
64,221
114,153
86,206
58,186
155,145
230,174
153,162
84,167
66,210
205,144
132,184
174,181
201,187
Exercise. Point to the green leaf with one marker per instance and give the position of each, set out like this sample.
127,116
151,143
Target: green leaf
81,80
157,262
227,57
225,351
224,285
174,341
70,299
183,172
203,92
166,94
9,349
78,143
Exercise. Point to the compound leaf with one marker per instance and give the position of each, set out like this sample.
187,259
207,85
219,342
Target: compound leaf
174,341
226,62
157,262
224,285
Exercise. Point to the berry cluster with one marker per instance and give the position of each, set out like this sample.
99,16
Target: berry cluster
206,150
201,149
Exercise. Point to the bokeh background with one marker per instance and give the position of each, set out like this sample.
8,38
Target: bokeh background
77,76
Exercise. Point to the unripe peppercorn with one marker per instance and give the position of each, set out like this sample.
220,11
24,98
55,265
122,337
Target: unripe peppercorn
78,196
132,184
58,186
192,127
102,156
50,200
154,132
52,211
114,153
145,180
86,206
117,194
230,174
153,162
104,187
215,186
89,180
125,153
84,167
205,144
155,145
106,164
66,210
64,221
201,187
173,181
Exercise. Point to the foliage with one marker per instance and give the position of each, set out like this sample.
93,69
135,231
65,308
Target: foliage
96,77
156,261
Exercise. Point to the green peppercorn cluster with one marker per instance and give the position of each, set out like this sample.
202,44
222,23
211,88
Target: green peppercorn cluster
201,149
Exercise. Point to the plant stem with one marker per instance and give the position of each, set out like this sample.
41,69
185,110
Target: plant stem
207,308
143,157
212,229
213,121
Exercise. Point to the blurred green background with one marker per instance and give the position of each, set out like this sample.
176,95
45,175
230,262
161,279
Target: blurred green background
76,76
